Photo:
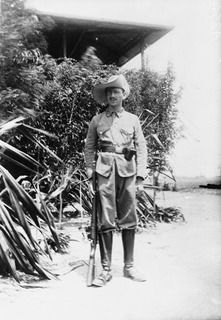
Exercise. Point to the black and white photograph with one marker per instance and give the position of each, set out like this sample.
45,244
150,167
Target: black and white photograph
110,159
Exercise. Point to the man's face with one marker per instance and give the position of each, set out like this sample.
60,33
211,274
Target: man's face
115,96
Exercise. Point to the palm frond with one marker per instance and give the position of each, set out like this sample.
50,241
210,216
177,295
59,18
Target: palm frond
13,187
50,222
18,163
144,126
11,124
157,140
46,133
31,137
19,257
18,243
20,155
6,262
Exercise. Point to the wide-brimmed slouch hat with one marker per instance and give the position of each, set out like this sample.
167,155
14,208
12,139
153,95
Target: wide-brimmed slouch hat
116,81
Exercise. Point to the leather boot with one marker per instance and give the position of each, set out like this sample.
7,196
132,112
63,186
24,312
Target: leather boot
128,239
105,244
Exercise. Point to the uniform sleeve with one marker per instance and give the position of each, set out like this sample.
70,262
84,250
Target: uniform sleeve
141,148
91,144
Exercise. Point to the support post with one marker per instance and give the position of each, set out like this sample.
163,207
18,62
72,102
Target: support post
64,42
143,56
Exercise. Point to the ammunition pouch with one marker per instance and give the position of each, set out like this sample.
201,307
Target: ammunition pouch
128,153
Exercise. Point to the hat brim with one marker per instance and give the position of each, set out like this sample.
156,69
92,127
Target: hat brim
99,92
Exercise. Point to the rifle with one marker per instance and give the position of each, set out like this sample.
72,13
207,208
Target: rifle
93,236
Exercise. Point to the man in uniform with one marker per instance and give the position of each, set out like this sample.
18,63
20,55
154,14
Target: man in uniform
116,150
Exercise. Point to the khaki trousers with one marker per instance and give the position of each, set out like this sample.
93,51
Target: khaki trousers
117,201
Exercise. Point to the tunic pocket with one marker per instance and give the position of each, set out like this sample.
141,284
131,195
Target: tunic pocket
104,164
102,129
127,136
125,168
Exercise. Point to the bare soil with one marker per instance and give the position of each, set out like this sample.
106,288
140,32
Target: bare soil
182,263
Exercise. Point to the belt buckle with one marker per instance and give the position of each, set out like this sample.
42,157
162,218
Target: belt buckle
118,149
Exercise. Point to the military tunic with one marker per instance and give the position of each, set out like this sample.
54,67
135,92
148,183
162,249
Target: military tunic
115,175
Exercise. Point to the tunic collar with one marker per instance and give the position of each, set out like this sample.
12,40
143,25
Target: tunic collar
110,112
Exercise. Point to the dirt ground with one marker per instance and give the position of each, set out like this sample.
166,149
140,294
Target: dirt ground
182,263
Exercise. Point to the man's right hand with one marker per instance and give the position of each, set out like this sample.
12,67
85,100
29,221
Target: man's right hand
90,185
89,172
91,188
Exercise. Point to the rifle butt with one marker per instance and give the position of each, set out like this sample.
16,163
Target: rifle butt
91,268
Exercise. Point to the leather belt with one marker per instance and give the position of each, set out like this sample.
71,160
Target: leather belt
112,149
128,153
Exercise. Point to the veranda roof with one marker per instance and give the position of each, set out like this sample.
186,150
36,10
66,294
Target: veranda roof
116,42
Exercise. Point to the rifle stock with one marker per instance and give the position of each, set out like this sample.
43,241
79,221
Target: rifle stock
93,236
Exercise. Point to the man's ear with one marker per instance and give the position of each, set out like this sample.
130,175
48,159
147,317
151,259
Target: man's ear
124,95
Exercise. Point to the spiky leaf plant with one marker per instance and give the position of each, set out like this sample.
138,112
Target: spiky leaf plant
20,216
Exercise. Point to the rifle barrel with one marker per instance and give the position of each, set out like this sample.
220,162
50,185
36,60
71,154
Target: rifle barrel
93,237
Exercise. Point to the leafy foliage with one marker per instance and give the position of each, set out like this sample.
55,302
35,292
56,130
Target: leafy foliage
154,99
21,46
150,213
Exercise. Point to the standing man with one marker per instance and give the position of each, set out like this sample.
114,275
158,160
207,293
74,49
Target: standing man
115,139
